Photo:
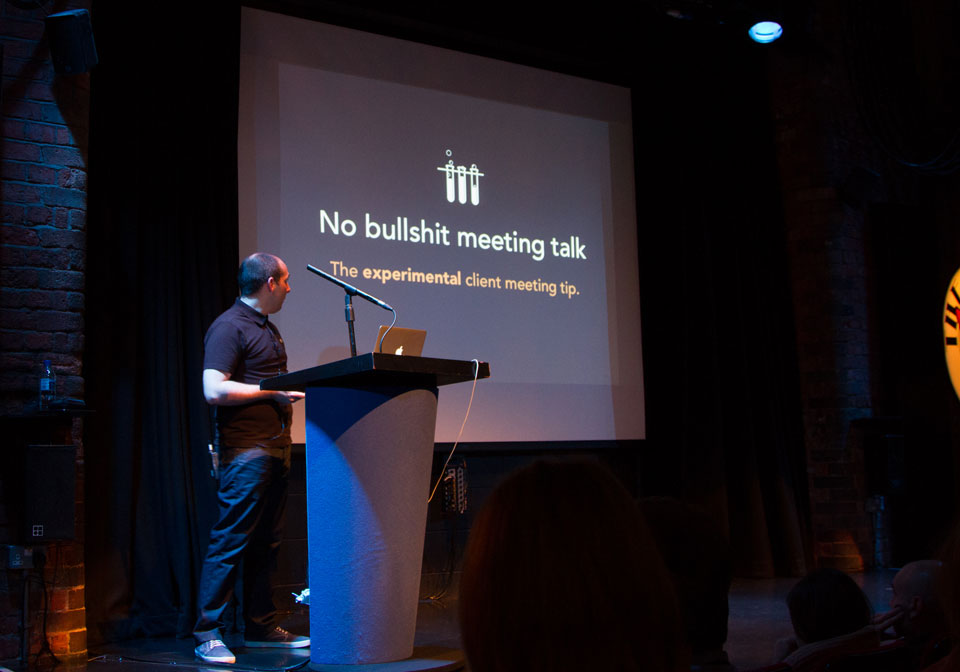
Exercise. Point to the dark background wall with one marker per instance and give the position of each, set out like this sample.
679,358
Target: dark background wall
43,165
797,237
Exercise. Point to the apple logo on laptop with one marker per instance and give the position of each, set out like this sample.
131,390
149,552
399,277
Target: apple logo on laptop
399,351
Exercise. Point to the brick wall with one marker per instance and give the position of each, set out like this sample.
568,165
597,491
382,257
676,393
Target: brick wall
822,151
43,200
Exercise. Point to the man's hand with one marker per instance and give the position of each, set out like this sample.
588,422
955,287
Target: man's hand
887,619
219,390
287,396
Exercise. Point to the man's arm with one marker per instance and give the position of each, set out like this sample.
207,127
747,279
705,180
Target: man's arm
219,390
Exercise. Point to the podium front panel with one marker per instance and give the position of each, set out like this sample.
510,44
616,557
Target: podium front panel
369,457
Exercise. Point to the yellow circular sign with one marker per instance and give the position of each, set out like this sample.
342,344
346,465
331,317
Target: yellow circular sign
951,317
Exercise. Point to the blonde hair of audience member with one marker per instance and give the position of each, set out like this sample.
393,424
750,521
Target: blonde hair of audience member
561,573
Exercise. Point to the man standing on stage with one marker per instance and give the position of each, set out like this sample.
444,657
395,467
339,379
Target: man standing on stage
241,348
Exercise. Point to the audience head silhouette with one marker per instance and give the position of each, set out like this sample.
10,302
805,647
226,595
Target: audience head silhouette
697,555
915,592
561,573
827,603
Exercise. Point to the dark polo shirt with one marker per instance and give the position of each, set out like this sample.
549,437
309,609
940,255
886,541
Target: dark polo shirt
247,345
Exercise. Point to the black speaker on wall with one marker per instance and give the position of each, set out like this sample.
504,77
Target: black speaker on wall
70,37
49,491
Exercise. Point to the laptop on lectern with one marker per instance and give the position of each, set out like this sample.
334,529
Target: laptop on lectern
400,341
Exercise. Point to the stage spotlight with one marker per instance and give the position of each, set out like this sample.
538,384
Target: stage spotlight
765,32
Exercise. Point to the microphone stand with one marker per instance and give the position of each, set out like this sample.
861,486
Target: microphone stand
348,304
348,309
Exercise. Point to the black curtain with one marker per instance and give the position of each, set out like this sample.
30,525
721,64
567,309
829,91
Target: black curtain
724,425
162,248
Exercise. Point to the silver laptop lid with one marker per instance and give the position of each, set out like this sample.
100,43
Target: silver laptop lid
401,341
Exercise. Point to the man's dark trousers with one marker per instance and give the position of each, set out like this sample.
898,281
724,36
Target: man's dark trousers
252,497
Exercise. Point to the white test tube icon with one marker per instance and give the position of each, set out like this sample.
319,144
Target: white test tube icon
451,184
462,184
475,176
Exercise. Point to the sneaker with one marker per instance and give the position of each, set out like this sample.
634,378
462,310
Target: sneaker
215,651
280,639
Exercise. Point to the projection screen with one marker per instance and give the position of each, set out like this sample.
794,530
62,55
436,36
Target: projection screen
490,203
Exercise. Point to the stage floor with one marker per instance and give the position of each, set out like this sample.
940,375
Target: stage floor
758,617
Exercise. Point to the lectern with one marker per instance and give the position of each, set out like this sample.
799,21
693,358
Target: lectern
370,424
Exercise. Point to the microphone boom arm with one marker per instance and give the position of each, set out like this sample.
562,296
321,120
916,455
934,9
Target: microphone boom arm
348,308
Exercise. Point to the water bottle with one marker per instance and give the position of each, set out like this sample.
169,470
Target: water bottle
48,385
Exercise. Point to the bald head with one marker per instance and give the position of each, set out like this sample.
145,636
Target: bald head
918,579
915,591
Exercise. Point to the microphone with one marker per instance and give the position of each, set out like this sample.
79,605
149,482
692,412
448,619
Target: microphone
350,289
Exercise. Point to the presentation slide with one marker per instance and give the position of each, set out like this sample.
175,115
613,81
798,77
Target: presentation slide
489,203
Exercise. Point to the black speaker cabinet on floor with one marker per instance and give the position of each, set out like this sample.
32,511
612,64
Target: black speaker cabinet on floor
49,493
70,36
